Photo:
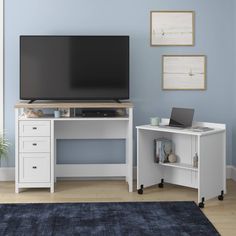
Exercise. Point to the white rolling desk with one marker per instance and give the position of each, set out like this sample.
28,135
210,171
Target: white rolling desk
210,176
36,138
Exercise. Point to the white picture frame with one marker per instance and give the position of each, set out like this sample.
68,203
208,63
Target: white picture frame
184,72
172,28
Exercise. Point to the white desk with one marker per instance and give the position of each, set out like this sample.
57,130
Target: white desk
35,152
210,176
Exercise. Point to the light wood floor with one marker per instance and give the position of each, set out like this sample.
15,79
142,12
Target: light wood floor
221,214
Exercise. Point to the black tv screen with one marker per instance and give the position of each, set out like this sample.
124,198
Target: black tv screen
74,67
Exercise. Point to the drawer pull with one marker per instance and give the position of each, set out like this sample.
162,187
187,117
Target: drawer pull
34,167
34,144
34,127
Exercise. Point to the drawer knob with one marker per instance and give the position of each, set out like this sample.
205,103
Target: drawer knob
34,144
34,127
34,167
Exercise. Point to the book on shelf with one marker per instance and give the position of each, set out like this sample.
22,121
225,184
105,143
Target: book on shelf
162,149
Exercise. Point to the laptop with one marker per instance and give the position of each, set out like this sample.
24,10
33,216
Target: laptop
181,117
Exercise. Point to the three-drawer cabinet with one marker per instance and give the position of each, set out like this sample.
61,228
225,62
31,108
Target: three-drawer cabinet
34,153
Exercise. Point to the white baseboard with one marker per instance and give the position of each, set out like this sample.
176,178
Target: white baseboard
135,173
8,173
233,173
228,172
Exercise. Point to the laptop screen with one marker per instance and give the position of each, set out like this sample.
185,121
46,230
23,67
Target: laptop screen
181,117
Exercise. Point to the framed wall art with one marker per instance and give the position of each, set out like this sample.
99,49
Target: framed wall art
184,72
172,28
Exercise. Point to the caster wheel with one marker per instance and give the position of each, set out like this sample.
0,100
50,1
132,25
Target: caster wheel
161,185
201,205
140,191
221,197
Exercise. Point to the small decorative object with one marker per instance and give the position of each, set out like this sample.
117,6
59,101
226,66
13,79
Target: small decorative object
155,121
172,158
57,113
31,113
121,112
195,161
3,147
65,112
172,28
184,72
162,149
40,113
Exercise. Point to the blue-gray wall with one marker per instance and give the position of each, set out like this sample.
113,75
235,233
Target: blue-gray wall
214,38
233,105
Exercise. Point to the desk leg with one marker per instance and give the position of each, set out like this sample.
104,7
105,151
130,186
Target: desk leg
17,190
55,159
52,188
127,159
52,157
16,150
129,151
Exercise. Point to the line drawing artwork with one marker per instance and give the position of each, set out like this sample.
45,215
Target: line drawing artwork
184,72
172,28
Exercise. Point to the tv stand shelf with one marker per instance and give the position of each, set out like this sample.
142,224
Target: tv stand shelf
36,140
179,165
76,118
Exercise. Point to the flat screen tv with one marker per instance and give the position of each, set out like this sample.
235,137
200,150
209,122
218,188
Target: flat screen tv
74,67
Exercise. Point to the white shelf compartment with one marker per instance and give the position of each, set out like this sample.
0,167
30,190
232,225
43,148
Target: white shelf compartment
180,166
77,118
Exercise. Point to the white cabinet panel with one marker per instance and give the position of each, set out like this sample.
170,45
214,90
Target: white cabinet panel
181,177
34,167
212,169
35,144
34,128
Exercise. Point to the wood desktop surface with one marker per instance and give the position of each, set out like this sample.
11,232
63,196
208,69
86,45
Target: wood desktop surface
41,105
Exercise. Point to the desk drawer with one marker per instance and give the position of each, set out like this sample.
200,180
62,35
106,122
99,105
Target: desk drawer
34,167
35,144
34,128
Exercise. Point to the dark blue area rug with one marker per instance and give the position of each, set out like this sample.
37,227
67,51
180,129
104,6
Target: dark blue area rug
134,219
